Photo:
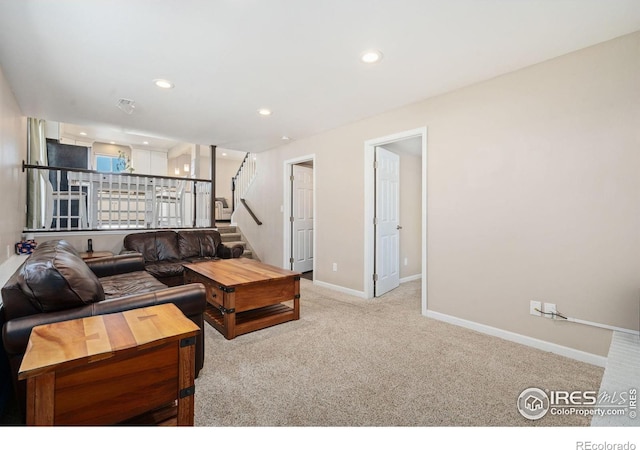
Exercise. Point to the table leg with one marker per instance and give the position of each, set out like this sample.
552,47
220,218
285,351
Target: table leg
186,385
229,305
296,298
41,388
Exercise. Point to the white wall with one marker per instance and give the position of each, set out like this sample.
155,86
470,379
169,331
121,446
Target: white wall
533,194
13,150
226,169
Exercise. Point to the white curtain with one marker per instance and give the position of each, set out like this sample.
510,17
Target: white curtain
36,179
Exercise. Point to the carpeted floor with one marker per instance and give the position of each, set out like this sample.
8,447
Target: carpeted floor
354,362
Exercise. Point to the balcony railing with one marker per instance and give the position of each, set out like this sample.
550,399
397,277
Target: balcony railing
79,199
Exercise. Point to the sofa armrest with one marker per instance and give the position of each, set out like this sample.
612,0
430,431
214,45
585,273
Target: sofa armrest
190,299
226,252
117,264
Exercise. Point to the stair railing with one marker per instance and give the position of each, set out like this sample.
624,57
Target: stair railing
243,179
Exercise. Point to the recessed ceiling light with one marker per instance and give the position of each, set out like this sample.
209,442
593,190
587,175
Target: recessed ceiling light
163,84
146,142
82,133
285,138
224,154
112,143
371,56
264,112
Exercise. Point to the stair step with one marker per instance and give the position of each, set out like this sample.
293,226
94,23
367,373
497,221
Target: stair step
232,243
231,236
228,237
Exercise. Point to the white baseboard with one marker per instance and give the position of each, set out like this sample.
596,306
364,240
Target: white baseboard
578,355
411,278
335,287
359,294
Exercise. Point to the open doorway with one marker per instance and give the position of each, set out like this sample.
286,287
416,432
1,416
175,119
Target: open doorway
382,229
299,214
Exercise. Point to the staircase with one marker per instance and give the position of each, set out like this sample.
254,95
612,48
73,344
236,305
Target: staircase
232,235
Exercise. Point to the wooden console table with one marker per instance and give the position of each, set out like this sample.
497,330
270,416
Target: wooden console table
245,295
108,369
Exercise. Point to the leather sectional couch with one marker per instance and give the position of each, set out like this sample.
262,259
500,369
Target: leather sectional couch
54,284
165,251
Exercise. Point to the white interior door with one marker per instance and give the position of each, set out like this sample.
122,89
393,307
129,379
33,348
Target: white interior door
387,226
302,213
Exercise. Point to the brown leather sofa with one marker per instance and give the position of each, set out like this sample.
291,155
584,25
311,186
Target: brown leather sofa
165,251
54,284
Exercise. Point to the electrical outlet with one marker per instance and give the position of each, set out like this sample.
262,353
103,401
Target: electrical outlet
533,306
9,251
406,261
335,267
550,310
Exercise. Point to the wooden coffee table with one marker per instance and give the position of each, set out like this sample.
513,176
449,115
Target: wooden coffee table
245,295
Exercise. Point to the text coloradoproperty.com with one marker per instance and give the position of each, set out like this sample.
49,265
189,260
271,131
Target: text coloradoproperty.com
588,445
566,411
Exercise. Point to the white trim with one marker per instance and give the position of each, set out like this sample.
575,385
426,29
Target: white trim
369,196
335,287
411,278
602,325
568,352
286,208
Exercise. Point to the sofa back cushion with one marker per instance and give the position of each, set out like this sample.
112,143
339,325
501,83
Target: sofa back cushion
154,245
189,244
59,244
53,278
198,243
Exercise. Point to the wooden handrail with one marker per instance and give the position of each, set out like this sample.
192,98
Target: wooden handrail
250,211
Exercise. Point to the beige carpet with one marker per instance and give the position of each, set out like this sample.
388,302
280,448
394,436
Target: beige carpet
354,362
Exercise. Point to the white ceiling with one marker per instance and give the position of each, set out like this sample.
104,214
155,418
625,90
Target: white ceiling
71,61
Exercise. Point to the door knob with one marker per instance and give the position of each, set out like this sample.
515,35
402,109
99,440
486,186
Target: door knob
398,227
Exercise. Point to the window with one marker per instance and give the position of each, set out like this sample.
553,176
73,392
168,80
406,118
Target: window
106,163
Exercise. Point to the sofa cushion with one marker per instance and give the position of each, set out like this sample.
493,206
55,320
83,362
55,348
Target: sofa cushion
189,244
141,243
154,245
130,283
165,269
54,278
198,243
59,244
167,246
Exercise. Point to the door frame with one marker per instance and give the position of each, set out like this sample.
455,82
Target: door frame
287,211
369,207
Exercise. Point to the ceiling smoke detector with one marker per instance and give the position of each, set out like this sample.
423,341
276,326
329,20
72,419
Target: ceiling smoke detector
126,105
